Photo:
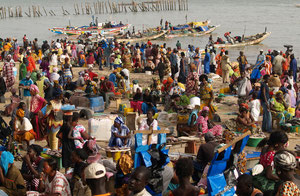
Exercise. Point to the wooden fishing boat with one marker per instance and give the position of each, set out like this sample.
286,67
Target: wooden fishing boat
144,37
103,30
249,40
190,32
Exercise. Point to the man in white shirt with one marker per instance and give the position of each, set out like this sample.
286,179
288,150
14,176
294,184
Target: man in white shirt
138,180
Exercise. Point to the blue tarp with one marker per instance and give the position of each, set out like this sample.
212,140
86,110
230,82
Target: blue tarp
202,28
181,27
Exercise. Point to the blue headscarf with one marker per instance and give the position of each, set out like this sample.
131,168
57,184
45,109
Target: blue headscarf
119,120
6,158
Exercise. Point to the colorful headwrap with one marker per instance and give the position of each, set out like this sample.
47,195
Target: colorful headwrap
285,160
205,108
34,88
119,120
6,158
170,80
244,105
126,164
20,113
278,92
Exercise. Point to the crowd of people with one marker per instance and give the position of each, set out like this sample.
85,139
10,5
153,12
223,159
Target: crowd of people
46,83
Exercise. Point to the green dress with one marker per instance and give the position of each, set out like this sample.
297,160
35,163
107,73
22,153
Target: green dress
22,71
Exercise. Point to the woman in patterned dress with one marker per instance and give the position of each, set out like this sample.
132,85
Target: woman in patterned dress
206,95
285,164
192,81
8,72
78,133
55,118
36,104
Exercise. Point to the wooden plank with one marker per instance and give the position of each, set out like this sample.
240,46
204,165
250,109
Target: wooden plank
234,141
147,132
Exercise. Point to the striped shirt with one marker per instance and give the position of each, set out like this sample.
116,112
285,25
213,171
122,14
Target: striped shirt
59,185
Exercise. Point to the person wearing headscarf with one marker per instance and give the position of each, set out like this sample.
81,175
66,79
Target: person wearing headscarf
206,95
32,167
167,85
206,126
120,134
191,127
23,128
36,105
192,81
276,142
11,179
8,72
245,121
54,116
285,164
125,165
279,109
54,75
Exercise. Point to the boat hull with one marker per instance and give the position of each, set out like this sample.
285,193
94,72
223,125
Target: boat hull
92,30
196,34
247,43
142,38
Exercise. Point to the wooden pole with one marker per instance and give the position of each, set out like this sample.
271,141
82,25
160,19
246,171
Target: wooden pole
78,12
82,9
187,4
40,11
45,11
109,6
63,10
33,12
99,7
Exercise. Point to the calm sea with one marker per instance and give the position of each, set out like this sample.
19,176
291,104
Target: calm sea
238,16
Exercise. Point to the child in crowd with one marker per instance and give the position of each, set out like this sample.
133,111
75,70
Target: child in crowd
254,105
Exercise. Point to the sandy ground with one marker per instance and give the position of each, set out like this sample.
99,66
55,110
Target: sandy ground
227,105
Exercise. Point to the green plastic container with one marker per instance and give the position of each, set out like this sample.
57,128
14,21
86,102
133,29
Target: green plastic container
254,141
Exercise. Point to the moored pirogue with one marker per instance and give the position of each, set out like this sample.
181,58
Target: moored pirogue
141,37
246,41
